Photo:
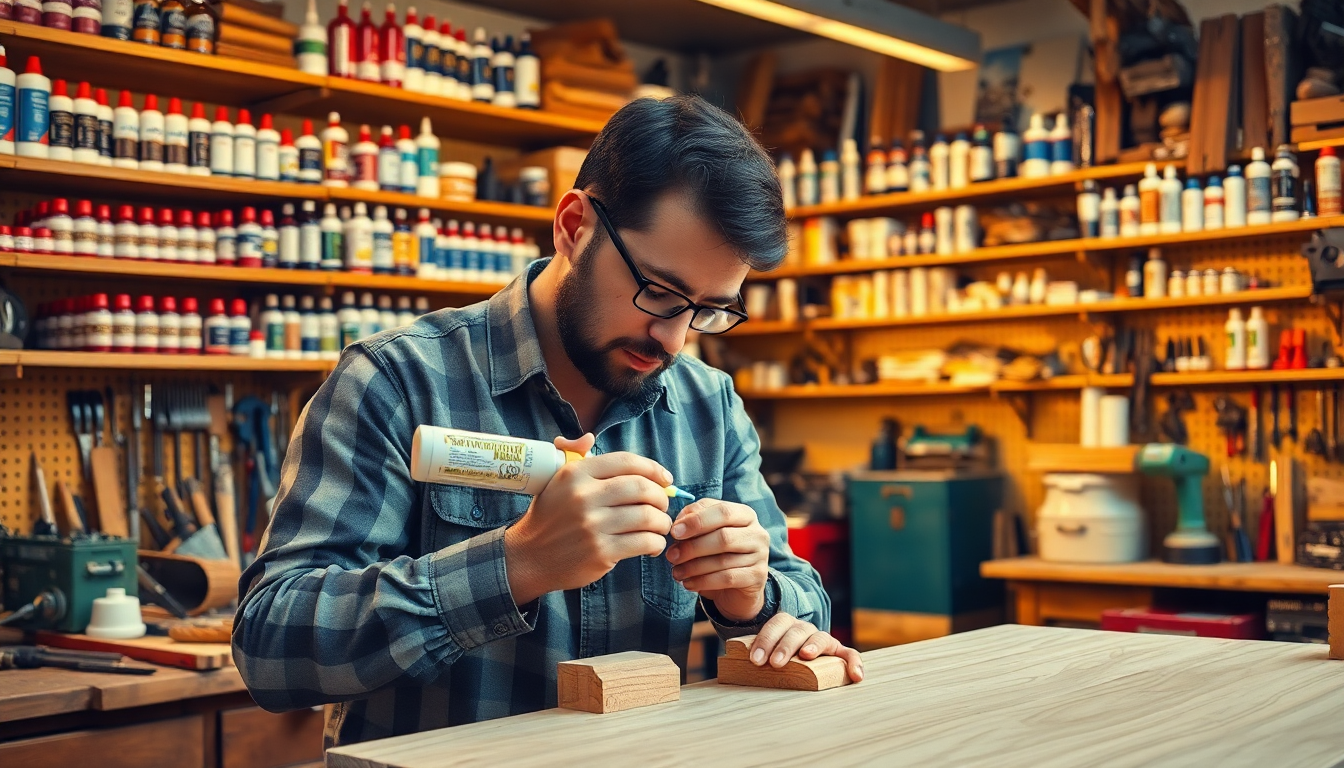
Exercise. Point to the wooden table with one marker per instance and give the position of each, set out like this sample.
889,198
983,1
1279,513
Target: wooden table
1004,696
1046,591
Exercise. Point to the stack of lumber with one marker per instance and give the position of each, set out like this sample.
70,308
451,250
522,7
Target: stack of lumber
256,31
584,69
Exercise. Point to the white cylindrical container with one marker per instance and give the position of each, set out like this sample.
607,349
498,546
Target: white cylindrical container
788,299
965,229
493,462
1090,411
919,292
900,293
1113,429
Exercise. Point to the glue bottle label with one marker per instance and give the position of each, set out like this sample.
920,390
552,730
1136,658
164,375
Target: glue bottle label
6,112
35,115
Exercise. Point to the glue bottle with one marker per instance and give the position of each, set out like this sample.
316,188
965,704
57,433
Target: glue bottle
482,77
86,126
61,116
151,135
105,123
221,144
33,115
125,133
176,138
287,157
199,136
388,162
1213,204
1257,340
244,146
310,46
309,148
268,151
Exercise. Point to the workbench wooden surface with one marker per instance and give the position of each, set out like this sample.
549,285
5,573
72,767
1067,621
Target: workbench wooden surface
1241,577
27,693
1004,696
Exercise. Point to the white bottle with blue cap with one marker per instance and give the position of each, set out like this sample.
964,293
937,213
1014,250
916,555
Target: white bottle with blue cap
1061,146
1036,149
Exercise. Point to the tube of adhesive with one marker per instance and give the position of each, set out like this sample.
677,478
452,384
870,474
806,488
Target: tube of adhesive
493,462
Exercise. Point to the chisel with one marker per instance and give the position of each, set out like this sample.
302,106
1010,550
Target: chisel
47,525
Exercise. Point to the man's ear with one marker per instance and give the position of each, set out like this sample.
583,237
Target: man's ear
568,227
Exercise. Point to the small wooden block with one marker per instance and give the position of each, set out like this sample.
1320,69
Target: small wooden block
798,675
618,681
1335,611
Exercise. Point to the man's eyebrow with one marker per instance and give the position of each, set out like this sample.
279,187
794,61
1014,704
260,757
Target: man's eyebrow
673,281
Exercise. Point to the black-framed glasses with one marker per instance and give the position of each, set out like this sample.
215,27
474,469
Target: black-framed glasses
656,299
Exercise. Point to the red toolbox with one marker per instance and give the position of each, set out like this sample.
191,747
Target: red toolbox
1241,626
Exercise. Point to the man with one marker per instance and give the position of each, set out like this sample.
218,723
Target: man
420,606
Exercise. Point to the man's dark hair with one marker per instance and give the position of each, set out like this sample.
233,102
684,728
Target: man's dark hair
685,144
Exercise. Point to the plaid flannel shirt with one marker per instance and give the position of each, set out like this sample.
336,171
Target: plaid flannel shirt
390,597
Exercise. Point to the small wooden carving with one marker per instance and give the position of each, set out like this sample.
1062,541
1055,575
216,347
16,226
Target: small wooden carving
618,681
798,675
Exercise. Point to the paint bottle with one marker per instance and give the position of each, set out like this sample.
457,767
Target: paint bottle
57,14
199,137
1061,146
176,138
392,49
788,180
364,161
851,186
414,36
151,135
84,230
898,173
1258,193
1328,202
359,241
433,57
207,240
188,243
86,126
221,144
1283,186
1234,198
118,19
1213,203
1036,149
189,336
335,153
1150,201
382,263
240,329
173,25
367,63
939,171
216,329
1089,210
267,151
123,324
341,43
482,78
244,147
87,16
1007,149
200,30
310,238
226,240
501,64
62,227
829,180
1257,340
145,22
310,155
1192,207
105,121
1170,205
167,236
287,157
310,46
33,115
527,75
333,239
409,163
125,133
919,166
1110,214
427,161
1155,276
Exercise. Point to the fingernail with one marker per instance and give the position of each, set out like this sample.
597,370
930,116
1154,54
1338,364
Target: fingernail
678,530
778,659
809,648
860,675
667,477
758,657
674,553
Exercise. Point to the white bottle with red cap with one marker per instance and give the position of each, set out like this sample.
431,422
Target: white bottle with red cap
86,126
126,242
189,338
125,133
270,240
7,105
61,118
186,237
62,227
268,151
1328,201
221,144
123,324
33,111
84,230
249,239
206,240
335,153
151,135
176,138
146,326
98,325
105,121
287,158
107,232
217,329
226,240
364,161
148,235
199,138
244,147
240,329
167,236
170,326
42,240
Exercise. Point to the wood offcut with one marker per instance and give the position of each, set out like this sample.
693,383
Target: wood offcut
1335,622
618,681
798,675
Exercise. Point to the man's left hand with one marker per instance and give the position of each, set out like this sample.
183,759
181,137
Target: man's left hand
723,554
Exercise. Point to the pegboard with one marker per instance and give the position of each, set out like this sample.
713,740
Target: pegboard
837,433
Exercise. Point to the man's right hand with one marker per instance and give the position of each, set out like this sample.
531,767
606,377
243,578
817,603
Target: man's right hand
593,514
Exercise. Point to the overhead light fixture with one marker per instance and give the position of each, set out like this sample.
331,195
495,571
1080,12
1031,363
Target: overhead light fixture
876,25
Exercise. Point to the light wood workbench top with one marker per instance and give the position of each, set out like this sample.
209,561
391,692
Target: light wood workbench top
1241,577
26,693
1004,696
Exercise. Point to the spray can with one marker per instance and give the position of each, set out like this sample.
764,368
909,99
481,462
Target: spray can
1283,186
1258,192
33,98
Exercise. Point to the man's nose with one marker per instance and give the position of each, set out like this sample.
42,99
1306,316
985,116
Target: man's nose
670,332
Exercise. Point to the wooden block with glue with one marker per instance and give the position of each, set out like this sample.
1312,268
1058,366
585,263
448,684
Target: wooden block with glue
818,674
1335,611
618,681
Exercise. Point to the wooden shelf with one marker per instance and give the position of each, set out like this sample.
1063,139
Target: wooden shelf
1051,248
1067,457
1015,188
236,83
17,360
529,217
1240,577
769,327
125,268
1234,378
885,389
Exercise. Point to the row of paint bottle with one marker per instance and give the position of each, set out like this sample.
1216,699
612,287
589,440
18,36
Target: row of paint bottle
176,24
421,56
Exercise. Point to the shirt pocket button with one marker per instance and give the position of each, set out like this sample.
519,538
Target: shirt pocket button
501,630
476,513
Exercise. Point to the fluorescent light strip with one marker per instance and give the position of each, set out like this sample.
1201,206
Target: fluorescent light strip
846,33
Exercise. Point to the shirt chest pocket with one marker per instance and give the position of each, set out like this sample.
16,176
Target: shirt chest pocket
461,513
660,591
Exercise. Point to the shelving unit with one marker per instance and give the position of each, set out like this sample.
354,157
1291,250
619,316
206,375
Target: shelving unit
13,362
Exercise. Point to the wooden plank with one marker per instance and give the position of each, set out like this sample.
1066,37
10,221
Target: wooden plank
1288,517
1254,98
819,674
1303,134
617,682
1200,112
1327,109
178,742
1335,621
1282,70
53,359
251,737
113,692
156,650
1007,696
1237,577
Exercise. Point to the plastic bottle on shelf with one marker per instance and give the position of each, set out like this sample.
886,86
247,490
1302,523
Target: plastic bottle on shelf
61,119
370,319
190,340
146,326
226,240
188,243
333,239
432,60
1258,189
207,238
382,263
146,22
1150,201
240,329
875,177
328,331
200,135
1328,200
335,153
1036,149
939,170
310,46
392,50
1155,275
84,230
62,227
1213,203
200,30
148,233
105,122
1192,206
341,43
123,324
851,182
272,322
167,236
32,111
98,325
125,133
270,239
828,186
107,232
347,320
919,166
455,263
457,51
173,25
1110,214
898,173
527,74
427,161
1170,205
118,18
364,161
405,247
244,146
287,158
1283,186
482,77
287,238
267,154
1234,198
426,238
388,162
309,330
413,52
367,63
501,66
309,148
1257,340
86,125
170,326
439,269
980,161
1061,146
221,144
151,135
310,237
249,238
126,240
959,161
788,180
359,241
1089,210
176,137
1007,150
217,329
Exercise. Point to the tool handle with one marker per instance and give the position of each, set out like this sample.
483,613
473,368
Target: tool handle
156,531
199,504
227,509
69,512
183,525
97,418
43,497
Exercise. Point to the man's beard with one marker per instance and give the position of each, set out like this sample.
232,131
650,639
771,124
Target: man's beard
603,366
